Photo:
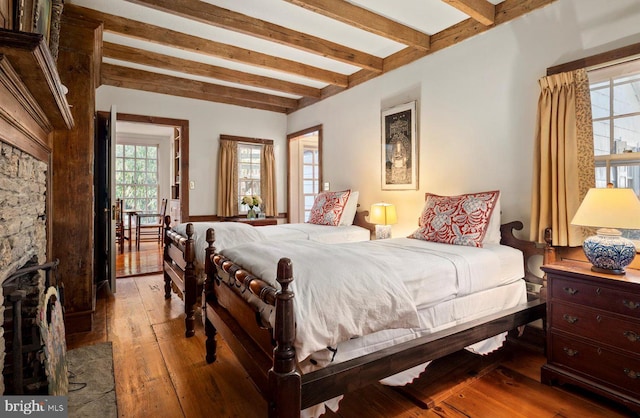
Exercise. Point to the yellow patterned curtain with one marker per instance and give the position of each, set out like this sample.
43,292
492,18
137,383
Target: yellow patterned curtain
268,181
564,158
228,178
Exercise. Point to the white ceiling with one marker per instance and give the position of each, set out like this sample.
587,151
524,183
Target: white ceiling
428,16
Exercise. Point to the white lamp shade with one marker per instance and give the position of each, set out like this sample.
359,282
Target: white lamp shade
383,214
609,208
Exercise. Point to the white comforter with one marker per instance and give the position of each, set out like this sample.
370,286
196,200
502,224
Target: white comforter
348,290
231,234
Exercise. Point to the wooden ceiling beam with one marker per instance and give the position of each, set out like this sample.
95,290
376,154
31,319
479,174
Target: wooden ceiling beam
505,12
118,76
210,14
364,19
153,59
162,36
480,10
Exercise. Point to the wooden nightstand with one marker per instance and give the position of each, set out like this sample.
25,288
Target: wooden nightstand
593,331
254,222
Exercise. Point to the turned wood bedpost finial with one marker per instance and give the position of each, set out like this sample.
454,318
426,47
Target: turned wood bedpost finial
285,331
190,281
284,380
549,257
209,251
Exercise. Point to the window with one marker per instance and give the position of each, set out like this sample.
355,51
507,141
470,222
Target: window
249,156
310,176
615,107
137,177
305,172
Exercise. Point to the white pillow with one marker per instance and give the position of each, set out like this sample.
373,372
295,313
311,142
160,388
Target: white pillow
492,236
350,208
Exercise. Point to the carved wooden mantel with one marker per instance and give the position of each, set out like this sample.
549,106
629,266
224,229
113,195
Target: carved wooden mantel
31,94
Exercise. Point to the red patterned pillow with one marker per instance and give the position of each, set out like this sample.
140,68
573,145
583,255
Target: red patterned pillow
460,220
328,207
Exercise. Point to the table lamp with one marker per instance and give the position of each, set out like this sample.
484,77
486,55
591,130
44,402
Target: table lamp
383,215
607,209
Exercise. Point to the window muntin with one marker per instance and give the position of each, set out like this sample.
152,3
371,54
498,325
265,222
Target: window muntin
249,160
137,177
615,108
310,177
615,105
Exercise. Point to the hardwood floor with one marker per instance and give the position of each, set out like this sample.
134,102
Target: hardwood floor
161,373
132,262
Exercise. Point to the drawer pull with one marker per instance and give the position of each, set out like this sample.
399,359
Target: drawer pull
570,319
570,290
632,374
570,352
598,318
632,336
598,291
631,305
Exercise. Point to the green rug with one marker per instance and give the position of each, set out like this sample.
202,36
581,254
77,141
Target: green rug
92,390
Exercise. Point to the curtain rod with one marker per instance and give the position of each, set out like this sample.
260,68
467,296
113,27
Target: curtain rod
245,139
605,58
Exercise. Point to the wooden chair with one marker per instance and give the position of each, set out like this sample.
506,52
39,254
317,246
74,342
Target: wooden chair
119,216
150,226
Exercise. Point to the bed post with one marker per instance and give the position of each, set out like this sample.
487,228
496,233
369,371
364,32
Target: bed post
166,258
549,257
190,282
284,380
209,295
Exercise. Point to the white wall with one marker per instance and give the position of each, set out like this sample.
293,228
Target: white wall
207,121
476,113
477,106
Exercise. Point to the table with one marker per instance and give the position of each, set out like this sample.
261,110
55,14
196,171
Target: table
130,214
254,222
593,332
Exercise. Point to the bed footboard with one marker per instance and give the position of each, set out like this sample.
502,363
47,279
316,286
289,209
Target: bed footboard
277,375
179,271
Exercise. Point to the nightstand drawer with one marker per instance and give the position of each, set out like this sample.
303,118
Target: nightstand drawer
596,325
596,296
589,360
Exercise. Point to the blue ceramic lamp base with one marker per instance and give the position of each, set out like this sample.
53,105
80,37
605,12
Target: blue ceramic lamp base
609,251
383,231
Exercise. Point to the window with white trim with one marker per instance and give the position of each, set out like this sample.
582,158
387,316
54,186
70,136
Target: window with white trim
615,107
249,157
137,177
310,176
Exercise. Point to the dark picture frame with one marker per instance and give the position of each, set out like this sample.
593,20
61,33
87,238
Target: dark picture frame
39,16
400,147
42,18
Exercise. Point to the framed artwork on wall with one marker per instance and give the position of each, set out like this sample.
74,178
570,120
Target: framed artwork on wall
400,148
42,18
39,16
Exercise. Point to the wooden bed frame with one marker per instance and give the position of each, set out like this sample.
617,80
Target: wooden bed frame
180,270
269,357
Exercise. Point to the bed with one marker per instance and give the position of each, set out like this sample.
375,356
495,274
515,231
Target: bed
185,244
393,327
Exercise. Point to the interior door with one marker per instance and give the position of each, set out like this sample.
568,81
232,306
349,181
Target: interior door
304,172
104,222
111,220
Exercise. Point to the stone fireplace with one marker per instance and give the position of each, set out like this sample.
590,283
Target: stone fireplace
23,236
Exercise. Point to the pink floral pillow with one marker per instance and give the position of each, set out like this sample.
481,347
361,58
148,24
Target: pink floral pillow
328,208
459,220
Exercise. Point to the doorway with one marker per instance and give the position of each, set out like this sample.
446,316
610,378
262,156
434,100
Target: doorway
304,172
171,137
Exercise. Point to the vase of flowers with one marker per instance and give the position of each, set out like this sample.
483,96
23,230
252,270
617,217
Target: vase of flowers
253,202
